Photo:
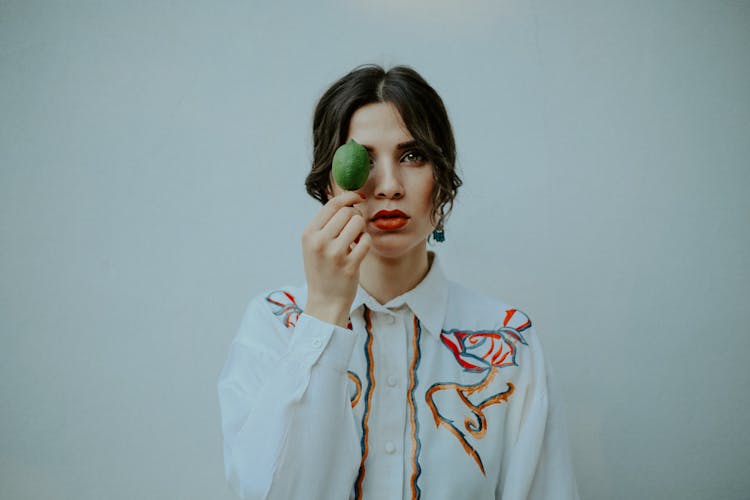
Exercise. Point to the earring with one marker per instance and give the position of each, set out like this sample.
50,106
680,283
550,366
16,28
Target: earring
439,233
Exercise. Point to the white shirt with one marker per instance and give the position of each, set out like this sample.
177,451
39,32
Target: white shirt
441,393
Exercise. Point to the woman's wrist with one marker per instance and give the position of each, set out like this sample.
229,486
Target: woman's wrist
328,312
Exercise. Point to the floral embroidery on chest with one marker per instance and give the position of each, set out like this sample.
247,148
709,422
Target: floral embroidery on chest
482,352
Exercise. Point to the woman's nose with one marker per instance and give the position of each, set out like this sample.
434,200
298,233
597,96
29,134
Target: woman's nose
387,180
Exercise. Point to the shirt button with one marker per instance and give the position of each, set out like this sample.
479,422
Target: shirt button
389,319
316,343
390,448
392,380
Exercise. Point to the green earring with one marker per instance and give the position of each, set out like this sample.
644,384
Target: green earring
439,233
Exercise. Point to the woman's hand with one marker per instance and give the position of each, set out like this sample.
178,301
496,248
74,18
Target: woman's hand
333,246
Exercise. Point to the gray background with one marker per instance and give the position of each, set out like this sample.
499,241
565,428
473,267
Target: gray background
152,158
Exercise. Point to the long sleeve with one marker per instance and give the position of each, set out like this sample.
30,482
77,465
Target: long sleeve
289,431
538,461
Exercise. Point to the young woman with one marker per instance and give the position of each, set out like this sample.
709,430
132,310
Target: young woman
382,379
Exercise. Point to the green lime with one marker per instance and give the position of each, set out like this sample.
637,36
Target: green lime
351,165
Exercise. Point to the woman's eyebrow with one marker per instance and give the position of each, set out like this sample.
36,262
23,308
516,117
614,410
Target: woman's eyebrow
406,145
399,146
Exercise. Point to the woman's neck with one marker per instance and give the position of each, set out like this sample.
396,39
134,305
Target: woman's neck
385,279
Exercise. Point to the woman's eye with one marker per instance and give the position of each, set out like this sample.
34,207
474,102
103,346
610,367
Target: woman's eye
413,157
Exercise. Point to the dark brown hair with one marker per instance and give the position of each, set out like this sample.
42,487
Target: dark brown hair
421,109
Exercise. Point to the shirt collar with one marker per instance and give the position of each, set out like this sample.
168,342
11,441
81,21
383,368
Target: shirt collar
428,300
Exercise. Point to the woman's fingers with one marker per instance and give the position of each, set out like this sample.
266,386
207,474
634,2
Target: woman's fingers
336,224
335,238
353,228
359,250
333,205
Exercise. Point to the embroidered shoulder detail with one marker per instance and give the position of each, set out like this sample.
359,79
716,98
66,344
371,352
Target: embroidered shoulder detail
284,305
516,320
481,350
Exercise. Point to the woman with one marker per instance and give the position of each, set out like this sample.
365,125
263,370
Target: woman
380,378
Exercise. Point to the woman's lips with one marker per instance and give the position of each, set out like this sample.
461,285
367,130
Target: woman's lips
390,220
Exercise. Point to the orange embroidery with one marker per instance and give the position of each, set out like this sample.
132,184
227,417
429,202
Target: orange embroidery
476,428
358,385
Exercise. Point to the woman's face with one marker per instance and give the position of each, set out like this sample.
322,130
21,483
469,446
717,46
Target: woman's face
398,192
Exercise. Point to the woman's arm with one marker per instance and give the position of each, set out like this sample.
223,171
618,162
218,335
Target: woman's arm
289,431
288,426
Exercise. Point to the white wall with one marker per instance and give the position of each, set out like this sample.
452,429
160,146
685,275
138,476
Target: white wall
152,158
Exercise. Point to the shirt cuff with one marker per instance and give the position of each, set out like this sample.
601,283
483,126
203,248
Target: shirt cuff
315,341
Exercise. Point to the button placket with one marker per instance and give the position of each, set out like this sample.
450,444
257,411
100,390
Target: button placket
391,353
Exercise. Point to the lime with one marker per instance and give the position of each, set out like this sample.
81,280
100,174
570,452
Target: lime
351,165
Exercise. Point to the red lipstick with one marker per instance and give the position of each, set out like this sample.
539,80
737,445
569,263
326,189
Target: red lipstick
390,220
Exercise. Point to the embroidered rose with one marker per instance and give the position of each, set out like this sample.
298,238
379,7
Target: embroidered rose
485,352
480,350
